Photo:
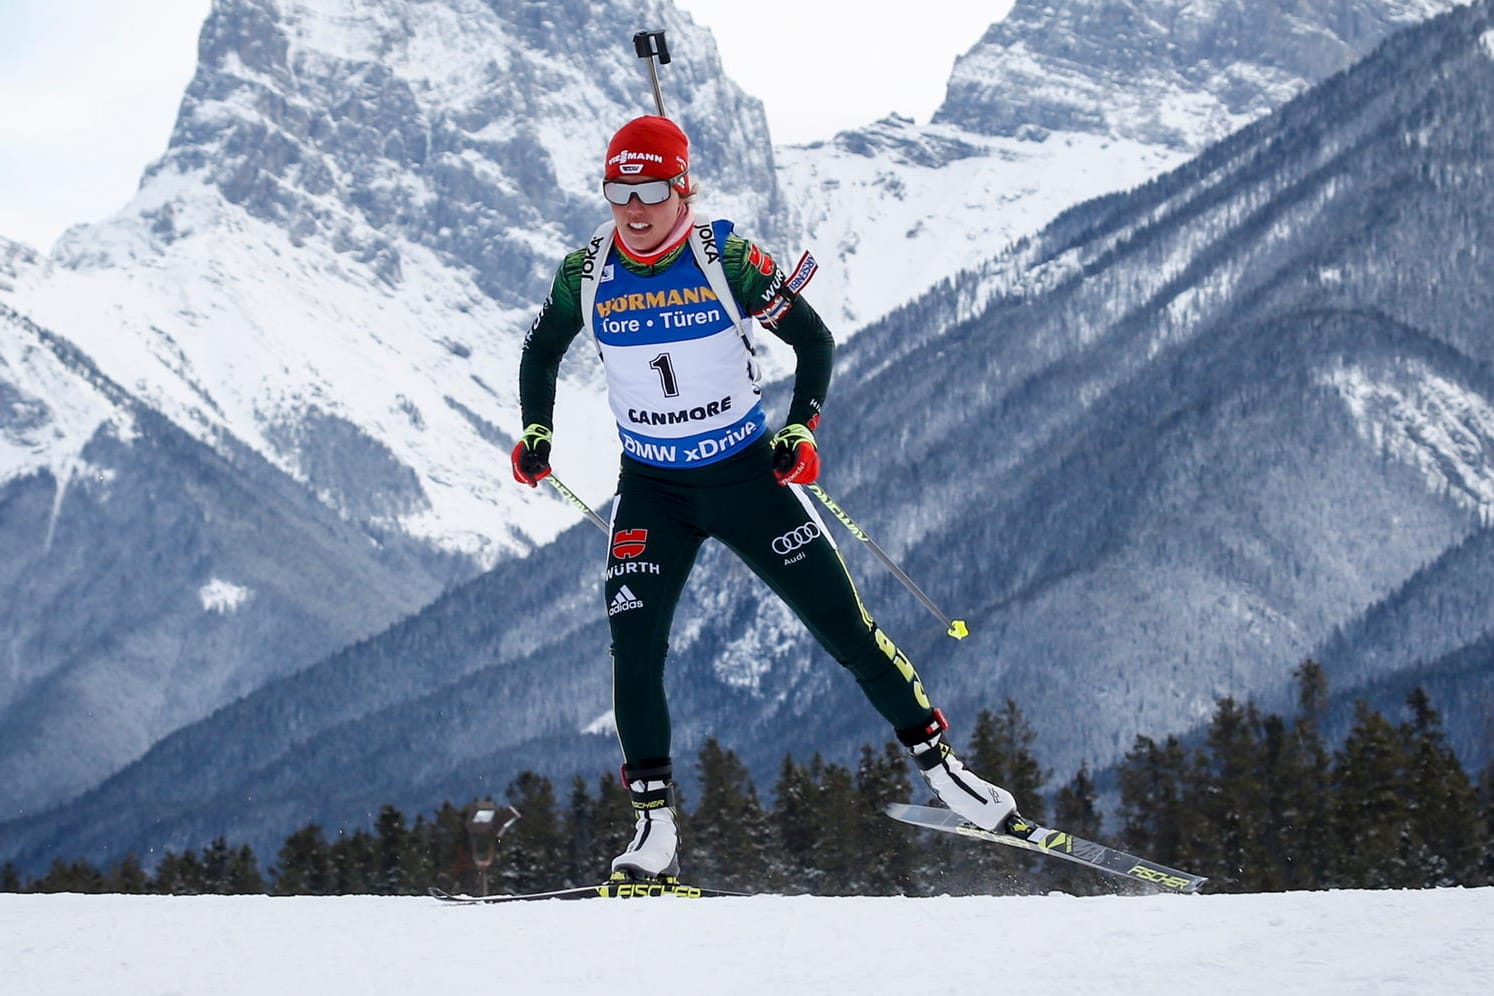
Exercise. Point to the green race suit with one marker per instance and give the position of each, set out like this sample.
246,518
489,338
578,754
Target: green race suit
664,513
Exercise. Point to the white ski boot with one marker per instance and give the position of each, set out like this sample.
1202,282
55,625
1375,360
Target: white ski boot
977,800
655,850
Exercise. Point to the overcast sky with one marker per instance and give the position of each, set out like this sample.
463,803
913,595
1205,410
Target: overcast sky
89,88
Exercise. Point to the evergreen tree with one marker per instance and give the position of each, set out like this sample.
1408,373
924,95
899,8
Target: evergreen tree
1277,771
1158,818
836,858
596,828
216,860
791,865
418,862
444,842
354,863
1444,816
942,859
1486,806
129,877
1076,810
613,818
179,875
891,864
728,829
244,876
304,864
10,877
1263,806
1228,793
1371,814
583,856
532,855
71,876
988,870
1300,835
391,853
1001,751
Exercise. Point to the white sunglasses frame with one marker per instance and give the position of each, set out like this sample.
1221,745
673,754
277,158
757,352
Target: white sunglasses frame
631,190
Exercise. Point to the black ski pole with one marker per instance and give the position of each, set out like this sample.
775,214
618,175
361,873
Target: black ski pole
650,45
578,501
952,627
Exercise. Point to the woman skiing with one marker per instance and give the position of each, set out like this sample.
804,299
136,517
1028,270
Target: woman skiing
669,301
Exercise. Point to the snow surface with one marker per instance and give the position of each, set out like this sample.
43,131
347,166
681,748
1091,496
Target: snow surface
223,596
1305,942
1425,421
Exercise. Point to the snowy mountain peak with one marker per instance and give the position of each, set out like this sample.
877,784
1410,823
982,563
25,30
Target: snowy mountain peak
1057,104
473,129
50,404
897,139
1179,73
358,214
14,258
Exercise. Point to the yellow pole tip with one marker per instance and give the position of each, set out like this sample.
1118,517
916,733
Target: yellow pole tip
958,630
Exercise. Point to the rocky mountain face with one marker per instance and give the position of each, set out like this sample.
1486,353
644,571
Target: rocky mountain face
1055,105
472,129
152,578
1246,406
1159,452
1179,73
14,257
315,302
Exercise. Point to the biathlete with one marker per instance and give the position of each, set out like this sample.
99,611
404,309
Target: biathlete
670,302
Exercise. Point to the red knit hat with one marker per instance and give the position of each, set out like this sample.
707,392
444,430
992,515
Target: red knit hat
652,147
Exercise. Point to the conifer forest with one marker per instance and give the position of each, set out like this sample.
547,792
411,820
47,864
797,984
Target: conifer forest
1259,803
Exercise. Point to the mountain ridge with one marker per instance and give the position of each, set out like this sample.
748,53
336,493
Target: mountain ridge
1162,451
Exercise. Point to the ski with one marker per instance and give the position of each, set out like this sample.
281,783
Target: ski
606,890
1056,843
582,892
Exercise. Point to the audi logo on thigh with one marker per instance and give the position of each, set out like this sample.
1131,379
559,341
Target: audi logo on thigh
789,542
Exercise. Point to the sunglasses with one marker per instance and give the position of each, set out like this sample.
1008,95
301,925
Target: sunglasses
647,192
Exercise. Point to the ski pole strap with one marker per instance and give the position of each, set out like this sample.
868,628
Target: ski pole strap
952,627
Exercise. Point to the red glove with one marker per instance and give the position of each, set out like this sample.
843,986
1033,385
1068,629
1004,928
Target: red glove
531,456
796,459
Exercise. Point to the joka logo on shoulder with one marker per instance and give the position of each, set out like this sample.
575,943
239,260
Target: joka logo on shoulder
629,543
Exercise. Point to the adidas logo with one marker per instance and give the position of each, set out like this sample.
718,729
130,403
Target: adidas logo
623,601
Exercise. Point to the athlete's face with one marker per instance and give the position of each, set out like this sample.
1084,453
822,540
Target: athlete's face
646,226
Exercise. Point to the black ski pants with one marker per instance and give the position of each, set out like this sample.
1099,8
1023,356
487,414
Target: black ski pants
659,522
